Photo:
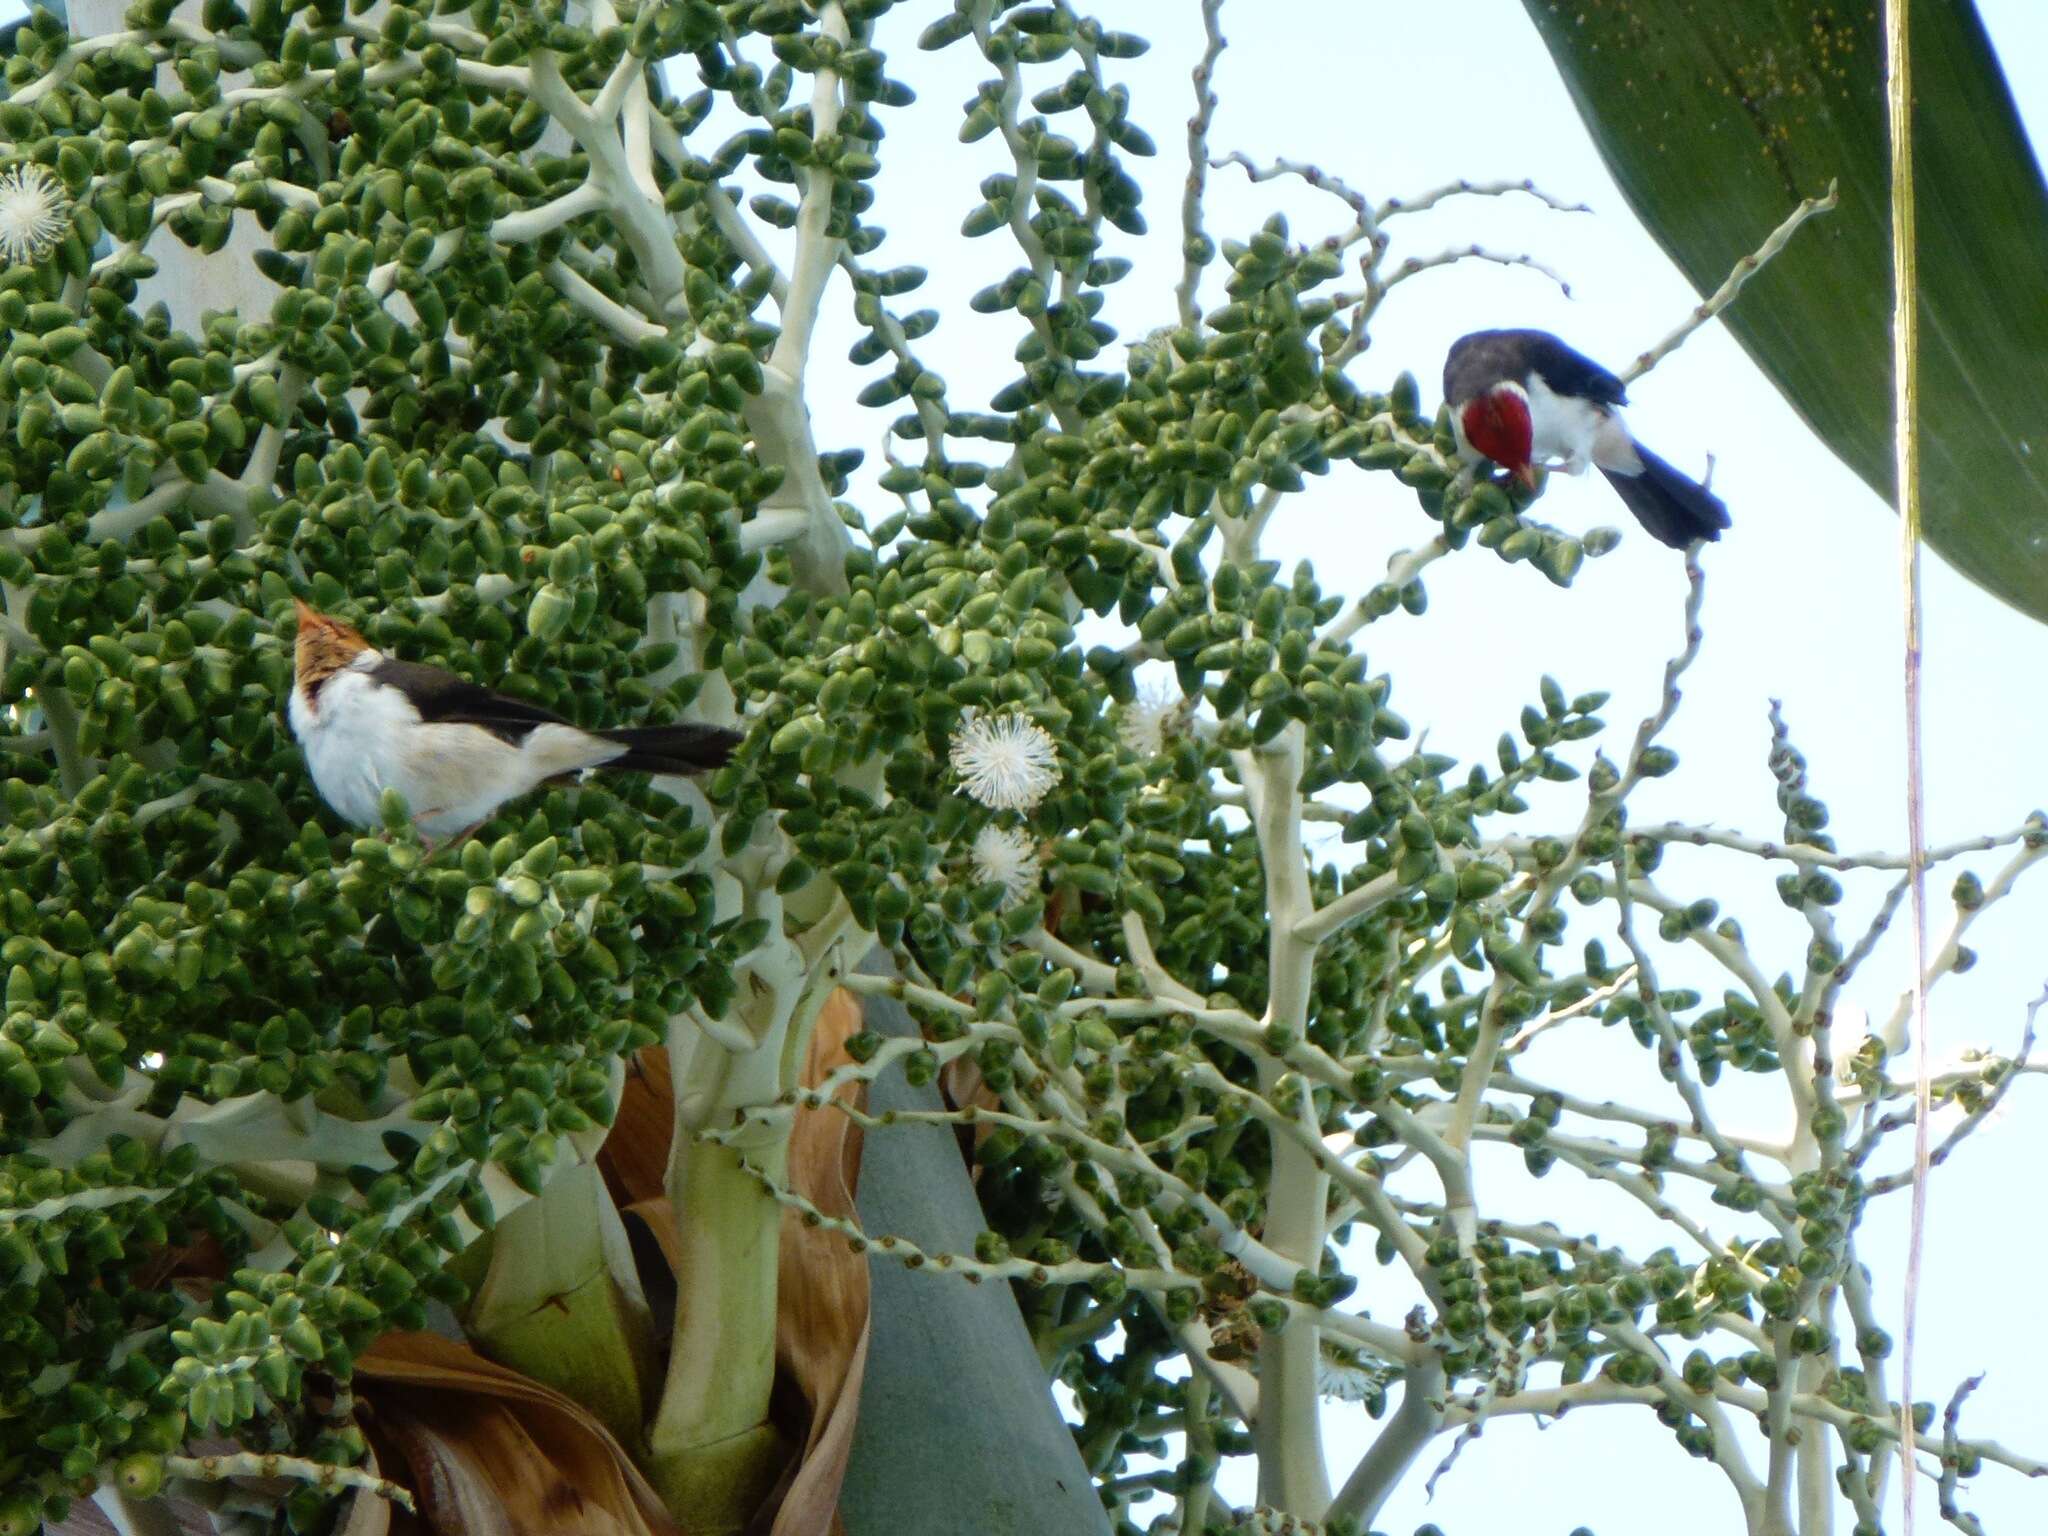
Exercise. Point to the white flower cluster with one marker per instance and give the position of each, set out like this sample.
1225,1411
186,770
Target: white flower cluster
1339,1379
1143,723
34,214
1007,762
1006,857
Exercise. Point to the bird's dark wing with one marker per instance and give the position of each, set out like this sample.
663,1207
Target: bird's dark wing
442,697
1483,359
1572,373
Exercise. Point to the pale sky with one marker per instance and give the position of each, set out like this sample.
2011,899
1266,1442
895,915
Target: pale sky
1802,606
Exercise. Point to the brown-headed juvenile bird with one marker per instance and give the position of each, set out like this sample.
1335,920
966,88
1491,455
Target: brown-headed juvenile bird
1523,398
456,750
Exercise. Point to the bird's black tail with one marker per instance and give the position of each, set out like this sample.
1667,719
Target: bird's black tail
1672,509
685,748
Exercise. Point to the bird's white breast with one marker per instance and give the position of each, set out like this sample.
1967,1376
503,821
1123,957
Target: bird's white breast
352,732
1574,433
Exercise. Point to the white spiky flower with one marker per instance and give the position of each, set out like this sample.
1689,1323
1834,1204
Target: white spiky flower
1008,762
34,214
1142,724
1006,857
1342,1380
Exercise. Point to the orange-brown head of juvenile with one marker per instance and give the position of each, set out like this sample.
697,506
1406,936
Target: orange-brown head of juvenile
323,648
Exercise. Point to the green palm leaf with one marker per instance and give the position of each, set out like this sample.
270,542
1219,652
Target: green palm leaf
1716,125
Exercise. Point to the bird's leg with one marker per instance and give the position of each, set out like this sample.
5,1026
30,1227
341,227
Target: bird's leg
419,827
1462,482
454,842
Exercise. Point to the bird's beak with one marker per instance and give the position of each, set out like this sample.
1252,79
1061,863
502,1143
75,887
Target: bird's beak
306,615
1526,475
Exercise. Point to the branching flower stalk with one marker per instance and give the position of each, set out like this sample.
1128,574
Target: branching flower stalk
1723,296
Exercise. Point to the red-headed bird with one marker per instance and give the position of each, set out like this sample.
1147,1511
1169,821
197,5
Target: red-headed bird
457,751
1523,398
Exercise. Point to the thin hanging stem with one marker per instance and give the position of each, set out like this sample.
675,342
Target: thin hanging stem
1906,435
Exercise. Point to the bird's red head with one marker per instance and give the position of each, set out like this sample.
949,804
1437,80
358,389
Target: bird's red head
1497,424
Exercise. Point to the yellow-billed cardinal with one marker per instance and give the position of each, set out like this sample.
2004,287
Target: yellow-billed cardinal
457,751
1523,398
